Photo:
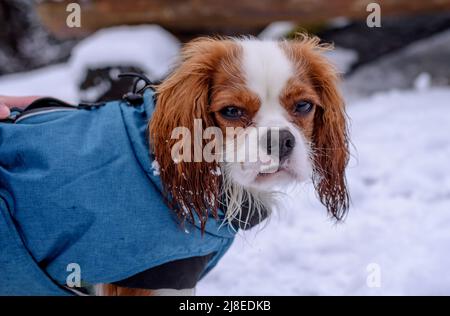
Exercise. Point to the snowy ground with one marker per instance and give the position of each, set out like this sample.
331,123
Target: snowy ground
396,235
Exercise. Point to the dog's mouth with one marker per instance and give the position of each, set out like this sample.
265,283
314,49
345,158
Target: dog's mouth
281,171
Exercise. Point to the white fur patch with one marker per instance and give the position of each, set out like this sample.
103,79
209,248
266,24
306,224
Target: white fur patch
266,69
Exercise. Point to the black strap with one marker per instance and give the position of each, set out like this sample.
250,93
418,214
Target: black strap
52,102
47,103
35,106
135,97
179,275
139,77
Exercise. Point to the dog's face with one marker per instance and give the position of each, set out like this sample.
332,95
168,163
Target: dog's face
272,99
278,109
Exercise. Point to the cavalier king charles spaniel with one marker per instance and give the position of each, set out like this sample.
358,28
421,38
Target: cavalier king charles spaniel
288,90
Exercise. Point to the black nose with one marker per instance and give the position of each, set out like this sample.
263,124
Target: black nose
286,143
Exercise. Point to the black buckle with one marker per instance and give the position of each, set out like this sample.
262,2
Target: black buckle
136,96
90,106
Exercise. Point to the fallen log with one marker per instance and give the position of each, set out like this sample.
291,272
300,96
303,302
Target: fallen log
219,16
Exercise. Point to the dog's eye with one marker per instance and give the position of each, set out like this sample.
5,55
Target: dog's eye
303,107
231,112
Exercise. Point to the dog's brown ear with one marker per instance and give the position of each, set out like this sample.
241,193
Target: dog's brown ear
183,97
330,143
330,136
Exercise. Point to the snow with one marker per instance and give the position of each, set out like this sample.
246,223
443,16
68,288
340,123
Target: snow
148,47
342,58
398,177
156,168
423,81
217,171
277,30
52,81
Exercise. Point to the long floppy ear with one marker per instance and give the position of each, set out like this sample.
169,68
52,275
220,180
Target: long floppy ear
191,187
330,135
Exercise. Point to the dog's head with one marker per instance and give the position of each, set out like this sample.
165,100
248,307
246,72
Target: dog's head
238,117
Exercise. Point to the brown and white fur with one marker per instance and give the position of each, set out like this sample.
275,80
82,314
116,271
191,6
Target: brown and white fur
263,83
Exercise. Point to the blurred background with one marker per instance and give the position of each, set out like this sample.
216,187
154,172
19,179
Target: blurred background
396,81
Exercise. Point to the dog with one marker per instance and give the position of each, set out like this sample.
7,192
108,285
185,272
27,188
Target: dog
235,120
246,83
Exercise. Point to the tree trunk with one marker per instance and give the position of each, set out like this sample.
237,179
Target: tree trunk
218,16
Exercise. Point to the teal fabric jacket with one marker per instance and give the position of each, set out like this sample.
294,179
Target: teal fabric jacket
78,186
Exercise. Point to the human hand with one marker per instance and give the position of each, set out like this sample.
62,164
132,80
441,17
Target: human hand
9,102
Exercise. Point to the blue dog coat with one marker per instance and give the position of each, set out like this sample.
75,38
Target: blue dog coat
77,186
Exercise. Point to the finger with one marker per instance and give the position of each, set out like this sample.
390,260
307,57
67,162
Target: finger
4,111
17,102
